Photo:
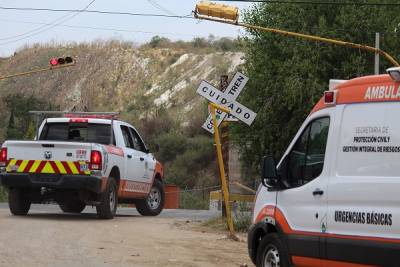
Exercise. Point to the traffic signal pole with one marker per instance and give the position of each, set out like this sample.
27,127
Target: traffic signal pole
223,14
37,71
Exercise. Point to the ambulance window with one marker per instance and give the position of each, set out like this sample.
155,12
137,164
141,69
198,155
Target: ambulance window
306,160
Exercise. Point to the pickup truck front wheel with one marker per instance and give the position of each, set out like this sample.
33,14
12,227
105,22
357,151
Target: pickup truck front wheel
18,201
154,203
108,201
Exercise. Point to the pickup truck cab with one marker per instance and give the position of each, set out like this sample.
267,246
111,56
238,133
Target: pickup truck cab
82,159
333,199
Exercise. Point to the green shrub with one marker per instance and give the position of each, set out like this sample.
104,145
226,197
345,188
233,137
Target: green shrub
3,194
171,145
194,200
197,156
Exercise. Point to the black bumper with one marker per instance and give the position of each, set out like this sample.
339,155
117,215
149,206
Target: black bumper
54,181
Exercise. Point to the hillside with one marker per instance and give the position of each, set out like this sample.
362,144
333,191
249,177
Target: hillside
118,76
153,86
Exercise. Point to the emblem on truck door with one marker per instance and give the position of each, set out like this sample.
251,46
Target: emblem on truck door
47,155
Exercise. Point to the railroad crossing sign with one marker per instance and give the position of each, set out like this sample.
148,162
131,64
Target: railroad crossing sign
228,100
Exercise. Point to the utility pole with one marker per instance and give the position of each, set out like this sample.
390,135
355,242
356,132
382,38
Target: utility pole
377,44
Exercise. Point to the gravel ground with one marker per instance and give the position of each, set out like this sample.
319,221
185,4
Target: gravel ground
47,237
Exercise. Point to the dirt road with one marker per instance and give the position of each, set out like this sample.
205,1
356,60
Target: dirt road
63,240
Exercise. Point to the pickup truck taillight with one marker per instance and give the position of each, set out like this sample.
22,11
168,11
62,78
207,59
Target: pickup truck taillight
96,160
3,157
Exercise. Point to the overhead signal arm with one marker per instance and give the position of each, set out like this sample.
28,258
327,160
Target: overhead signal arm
55,64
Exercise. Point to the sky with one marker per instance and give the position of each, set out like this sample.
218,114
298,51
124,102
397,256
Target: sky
20,28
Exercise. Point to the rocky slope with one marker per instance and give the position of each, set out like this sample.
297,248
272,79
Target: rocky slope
117,76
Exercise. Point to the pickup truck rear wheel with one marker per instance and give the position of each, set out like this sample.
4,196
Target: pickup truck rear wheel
75,206
18,201
108,200
154,203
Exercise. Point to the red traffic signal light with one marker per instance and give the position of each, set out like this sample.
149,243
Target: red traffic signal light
61,61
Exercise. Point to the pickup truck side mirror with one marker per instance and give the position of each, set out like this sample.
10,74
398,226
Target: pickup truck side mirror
269,175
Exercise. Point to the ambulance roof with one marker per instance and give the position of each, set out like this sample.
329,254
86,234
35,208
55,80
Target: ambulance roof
374,88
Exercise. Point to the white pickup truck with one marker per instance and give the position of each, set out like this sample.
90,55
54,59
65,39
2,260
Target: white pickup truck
82,159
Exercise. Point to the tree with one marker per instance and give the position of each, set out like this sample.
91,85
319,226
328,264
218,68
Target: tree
288,75
158,41
21,123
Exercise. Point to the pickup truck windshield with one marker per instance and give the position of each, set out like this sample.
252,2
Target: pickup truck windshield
77,132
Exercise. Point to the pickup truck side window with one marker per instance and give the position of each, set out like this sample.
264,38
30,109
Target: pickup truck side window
306,160
137,141
127,137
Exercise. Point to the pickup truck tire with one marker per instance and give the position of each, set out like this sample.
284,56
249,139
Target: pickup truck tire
108,200
154,203
272,252
18,201
75,206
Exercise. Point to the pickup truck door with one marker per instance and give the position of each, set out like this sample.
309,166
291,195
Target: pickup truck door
134,160
146,159
303,203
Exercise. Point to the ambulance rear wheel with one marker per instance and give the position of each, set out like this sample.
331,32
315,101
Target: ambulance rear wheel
272,252
18,201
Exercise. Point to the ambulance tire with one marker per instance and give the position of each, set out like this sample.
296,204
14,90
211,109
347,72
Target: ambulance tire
108,201
153,204
76,206
18,202
272,252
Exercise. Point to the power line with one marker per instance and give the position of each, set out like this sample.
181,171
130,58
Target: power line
100,28
312,2
97,12
47,24
50,26
160,7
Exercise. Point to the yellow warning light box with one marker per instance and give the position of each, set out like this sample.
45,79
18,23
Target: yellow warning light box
206,8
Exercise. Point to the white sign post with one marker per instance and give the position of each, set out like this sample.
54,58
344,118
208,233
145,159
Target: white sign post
233,90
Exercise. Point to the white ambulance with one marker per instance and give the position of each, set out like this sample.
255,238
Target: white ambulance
334,197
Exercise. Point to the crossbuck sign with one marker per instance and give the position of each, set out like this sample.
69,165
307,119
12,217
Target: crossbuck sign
228,100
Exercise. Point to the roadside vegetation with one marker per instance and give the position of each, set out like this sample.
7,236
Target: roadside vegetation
288,75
